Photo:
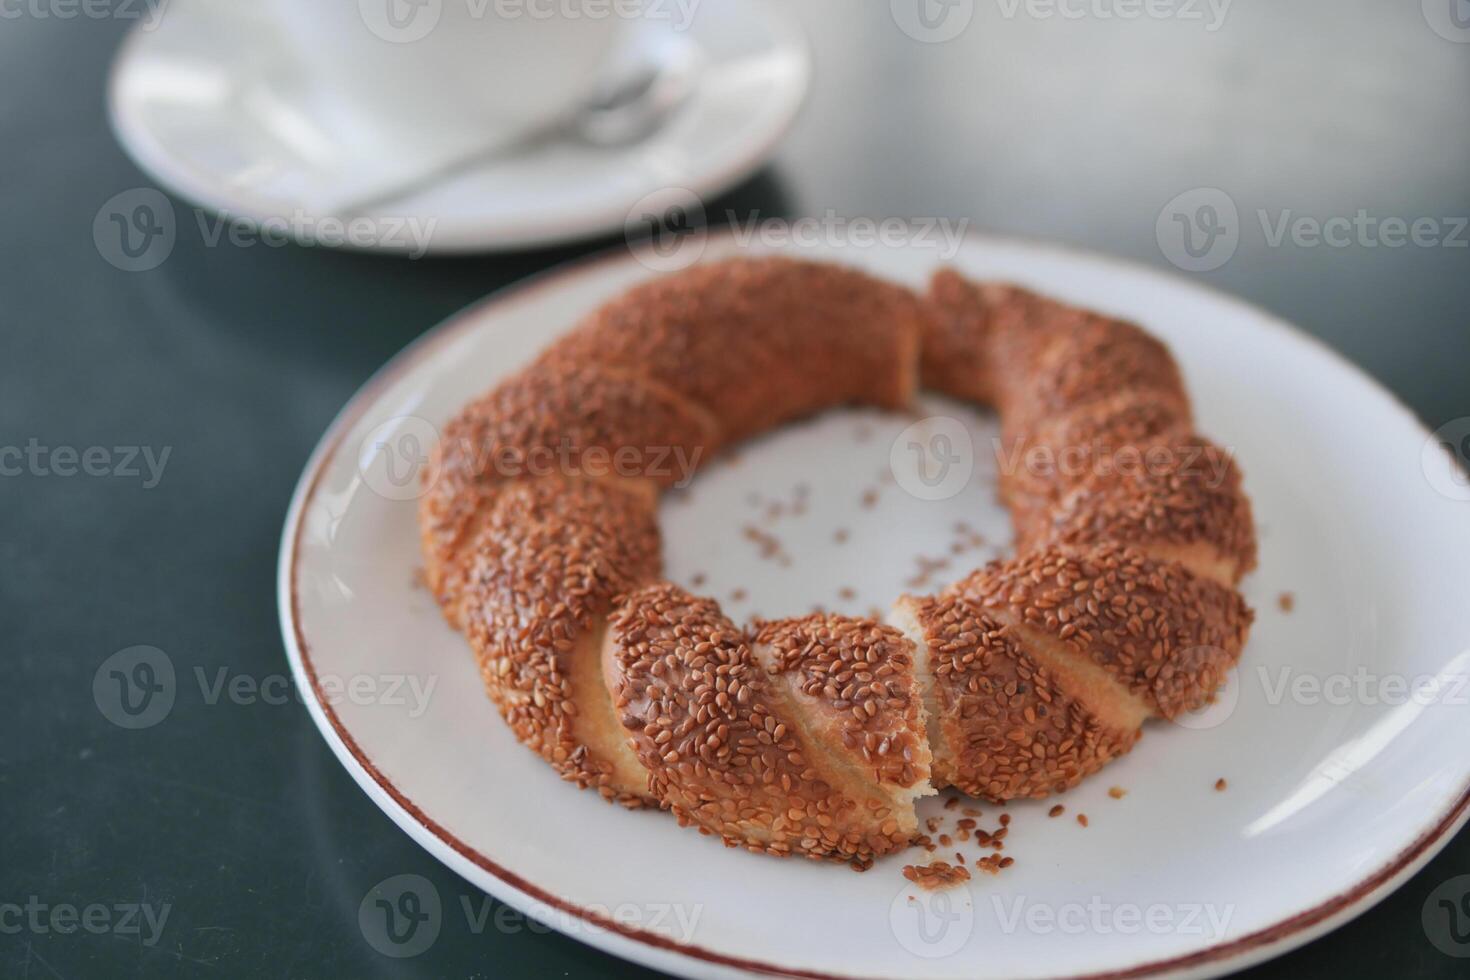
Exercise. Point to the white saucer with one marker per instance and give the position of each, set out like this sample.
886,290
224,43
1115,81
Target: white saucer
212,103
1337,792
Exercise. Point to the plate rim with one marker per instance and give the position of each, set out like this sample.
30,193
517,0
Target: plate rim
662,952
151,157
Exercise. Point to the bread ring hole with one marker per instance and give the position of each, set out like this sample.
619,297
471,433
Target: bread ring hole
842,512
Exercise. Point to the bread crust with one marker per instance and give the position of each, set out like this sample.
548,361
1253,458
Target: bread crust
1181,501
548,562
1098,443
815,735
551,421
707,721
1164,633
850,684
1011,726
759,342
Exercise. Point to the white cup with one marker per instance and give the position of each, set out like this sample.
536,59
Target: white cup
445,76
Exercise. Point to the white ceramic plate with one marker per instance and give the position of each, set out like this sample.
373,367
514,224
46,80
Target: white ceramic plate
214,103
1333,797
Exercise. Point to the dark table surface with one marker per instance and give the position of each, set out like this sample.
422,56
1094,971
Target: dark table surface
233,360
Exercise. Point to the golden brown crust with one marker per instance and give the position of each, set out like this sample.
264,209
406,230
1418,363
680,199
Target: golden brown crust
759,342
1012,727
1097,443
1035,357
956,354
1085,361
702,716
1180,500
1060,451
552,421
815,735
1167,635
1032,333
850,684
548,561
1037,466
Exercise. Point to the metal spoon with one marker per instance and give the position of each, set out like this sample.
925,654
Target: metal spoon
625,111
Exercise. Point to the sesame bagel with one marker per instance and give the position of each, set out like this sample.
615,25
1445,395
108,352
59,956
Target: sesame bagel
956,355
728,750
1033,357
1076,363
547,563
815,736
1179,500
567,419
1040,465
1059,452
849,685
1004,723
760,342
1162,632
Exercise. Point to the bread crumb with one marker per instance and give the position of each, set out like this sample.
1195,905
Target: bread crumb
1117,792
1287,601
992,863
1056,811
1082,819
940,874
1220,785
